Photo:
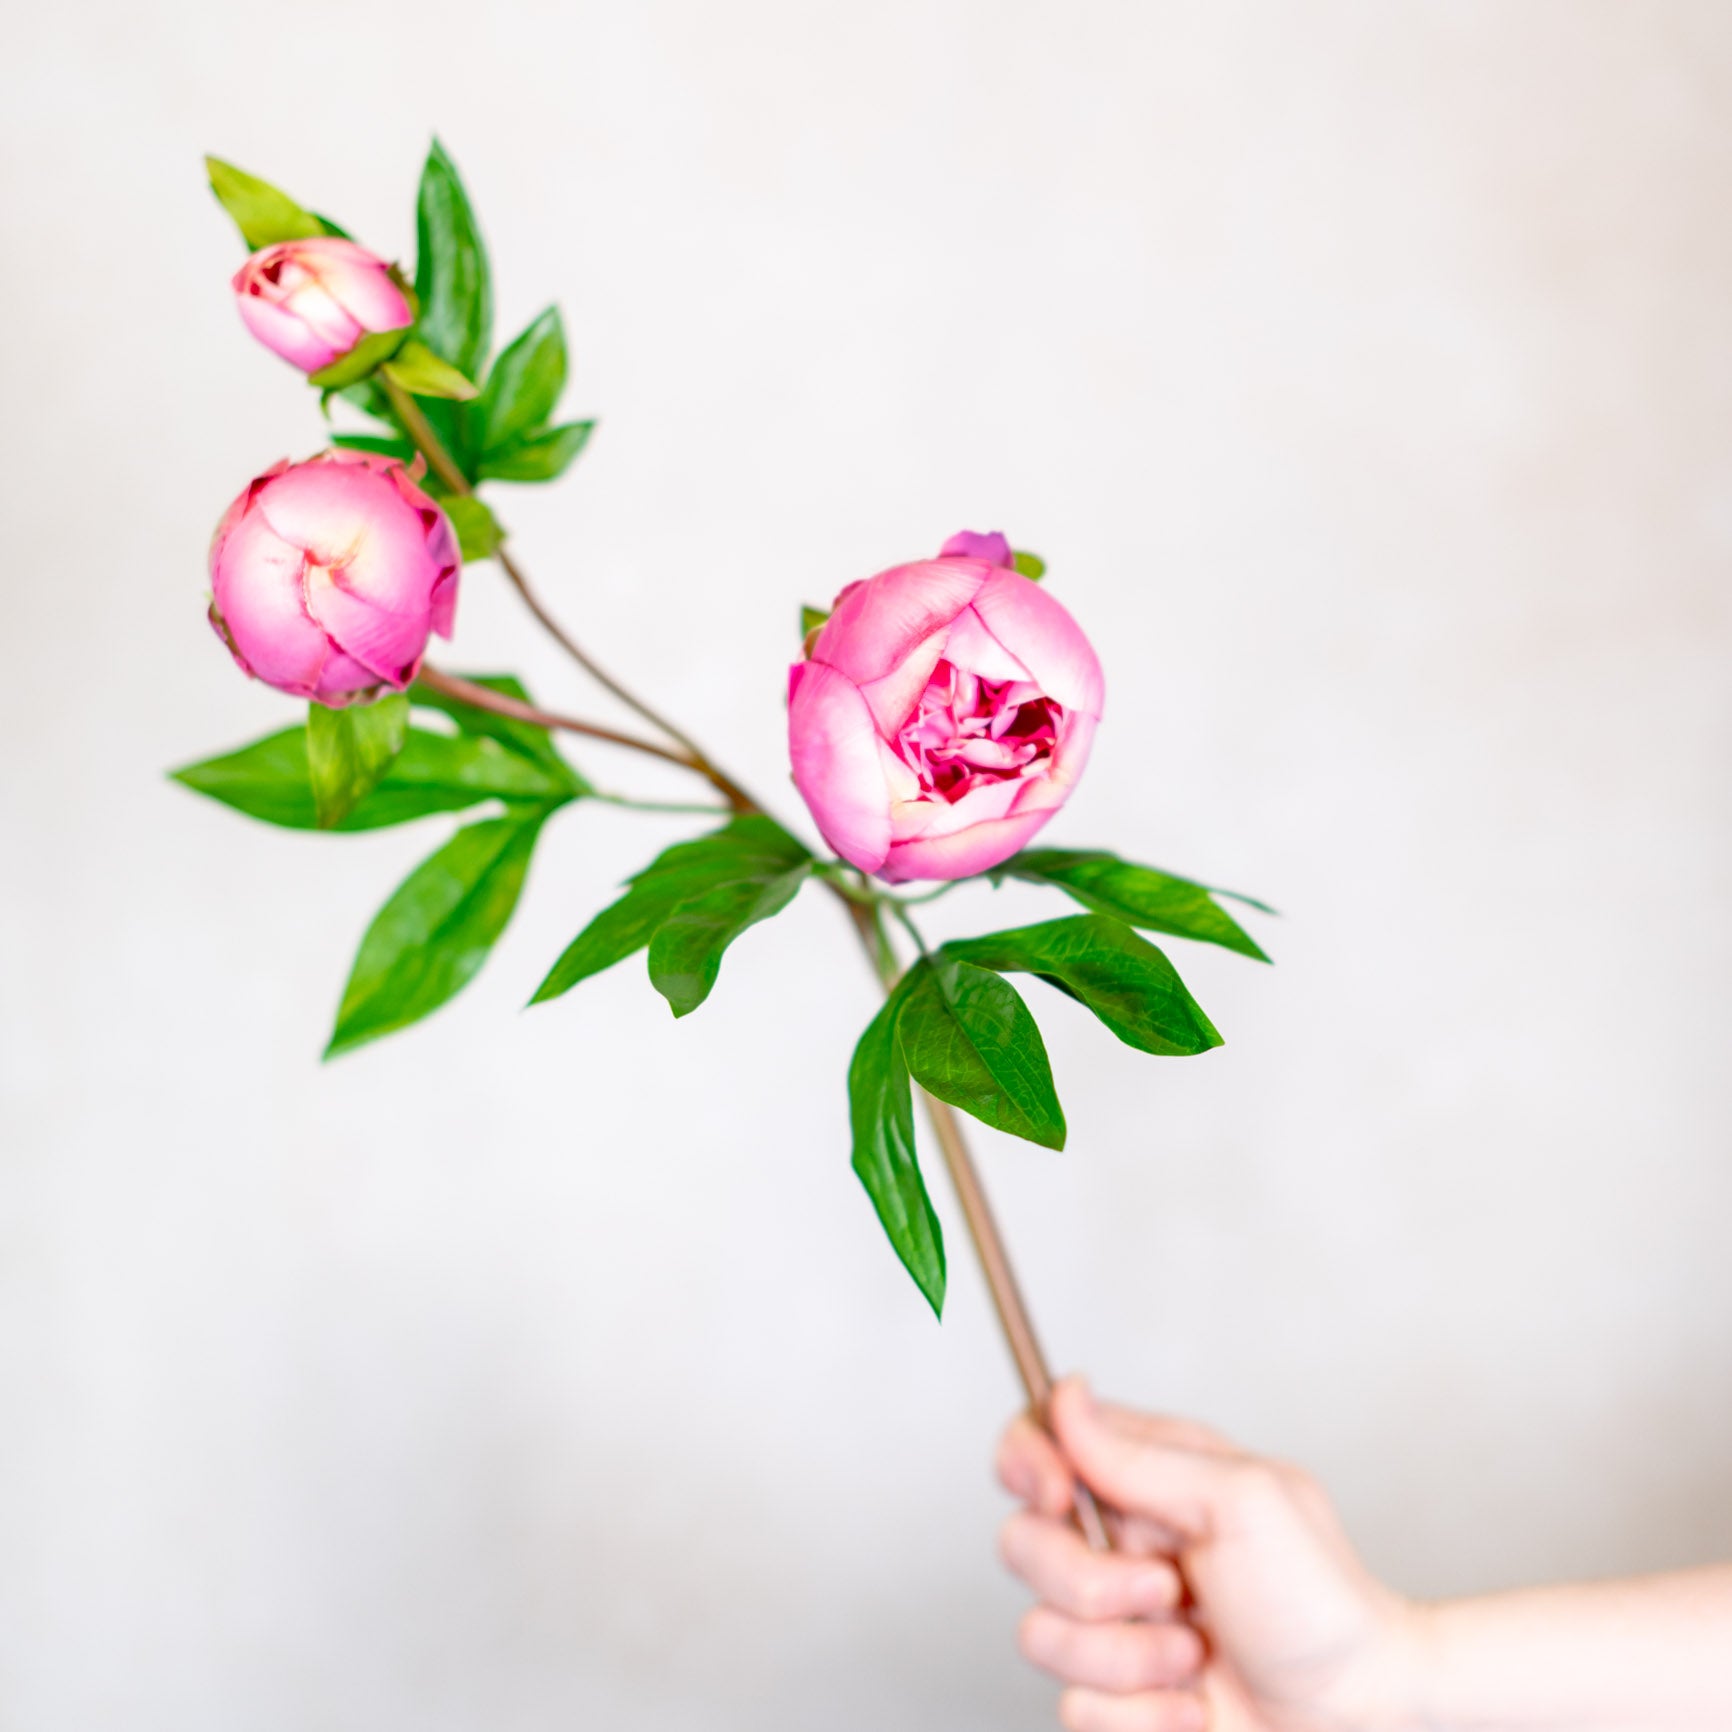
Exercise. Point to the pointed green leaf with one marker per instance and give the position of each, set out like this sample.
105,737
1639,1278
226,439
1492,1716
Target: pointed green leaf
349,750
263,213
525,738
451,274
363,359
478,531
1137,895
1031,565
881,1115
523,387
748,854
968,1038
431,937
417,369
269,780
538,457
686,953
811,620
401,449
1125,980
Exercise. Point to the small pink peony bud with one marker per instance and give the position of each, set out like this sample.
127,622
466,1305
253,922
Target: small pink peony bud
312,301
327,576
966,544
945,714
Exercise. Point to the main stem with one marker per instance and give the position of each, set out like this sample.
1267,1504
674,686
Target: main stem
989,1246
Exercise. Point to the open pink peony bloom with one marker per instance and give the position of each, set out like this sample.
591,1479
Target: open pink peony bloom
945,714
312,301
327,576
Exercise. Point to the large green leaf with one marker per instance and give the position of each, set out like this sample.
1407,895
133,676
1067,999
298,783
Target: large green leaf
1128,983
263,213
432,773
430,938
1138,895
452,280
968,1038
349,750
537,457
524,738
706,892
524,386
881,1114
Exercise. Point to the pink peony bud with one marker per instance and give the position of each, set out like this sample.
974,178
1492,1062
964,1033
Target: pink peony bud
327,576
945,714
312,301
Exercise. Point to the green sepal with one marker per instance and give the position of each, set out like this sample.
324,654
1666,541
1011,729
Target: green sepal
365,358
881,1118
1125,980
349,750
263,213
1138,895
418,370
478,531
812,619
537,457
968,1038
433,934
1030,565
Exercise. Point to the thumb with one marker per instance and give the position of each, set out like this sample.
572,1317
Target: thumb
1182,1488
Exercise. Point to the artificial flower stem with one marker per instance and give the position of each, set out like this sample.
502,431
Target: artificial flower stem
440,461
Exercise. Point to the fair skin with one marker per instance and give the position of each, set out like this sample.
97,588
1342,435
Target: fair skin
1234,1602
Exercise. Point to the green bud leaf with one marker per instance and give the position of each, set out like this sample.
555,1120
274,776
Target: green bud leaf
349,750
363,359
1031,565
263,213
417,369
812,619
478,531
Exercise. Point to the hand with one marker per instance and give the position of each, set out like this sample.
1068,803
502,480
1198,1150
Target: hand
1235,1601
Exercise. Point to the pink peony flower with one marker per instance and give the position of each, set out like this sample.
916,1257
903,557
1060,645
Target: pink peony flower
312,301
945,714
327,576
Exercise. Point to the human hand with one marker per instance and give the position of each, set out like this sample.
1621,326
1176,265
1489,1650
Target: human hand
1234,1601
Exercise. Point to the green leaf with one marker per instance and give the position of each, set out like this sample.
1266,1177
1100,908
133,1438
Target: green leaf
881,1114
968,1038
523,387
811,620
263,213
1031,565
451,274
416,368
401,449
1128,983
686,953
728,880
269,780
365,358
1137,895
539,457
349,750
478,531
526,739
430,938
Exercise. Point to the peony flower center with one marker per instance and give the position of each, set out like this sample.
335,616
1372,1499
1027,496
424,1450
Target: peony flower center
966,731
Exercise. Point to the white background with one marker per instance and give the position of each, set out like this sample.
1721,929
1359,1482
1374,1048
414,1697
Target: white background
1365,373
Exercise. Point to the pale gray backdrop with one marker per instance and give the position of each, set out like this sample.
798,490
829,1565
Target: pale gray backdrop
1365,373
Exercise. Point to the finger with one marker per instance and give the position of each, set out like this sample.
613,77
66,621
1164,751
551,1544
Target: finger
1056,1562
1178,1486
1031,1468
1119,1657
1147,1711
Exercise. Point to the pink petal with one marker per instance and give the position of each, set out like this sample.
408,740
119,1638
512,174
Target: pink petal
835,753
975,649
892,698
962,853
284,334
388,643
256,586
878,623
1040,634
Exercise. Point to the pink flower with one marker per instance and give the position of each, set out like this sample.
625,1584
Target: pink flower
945,714
327,576
312,301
